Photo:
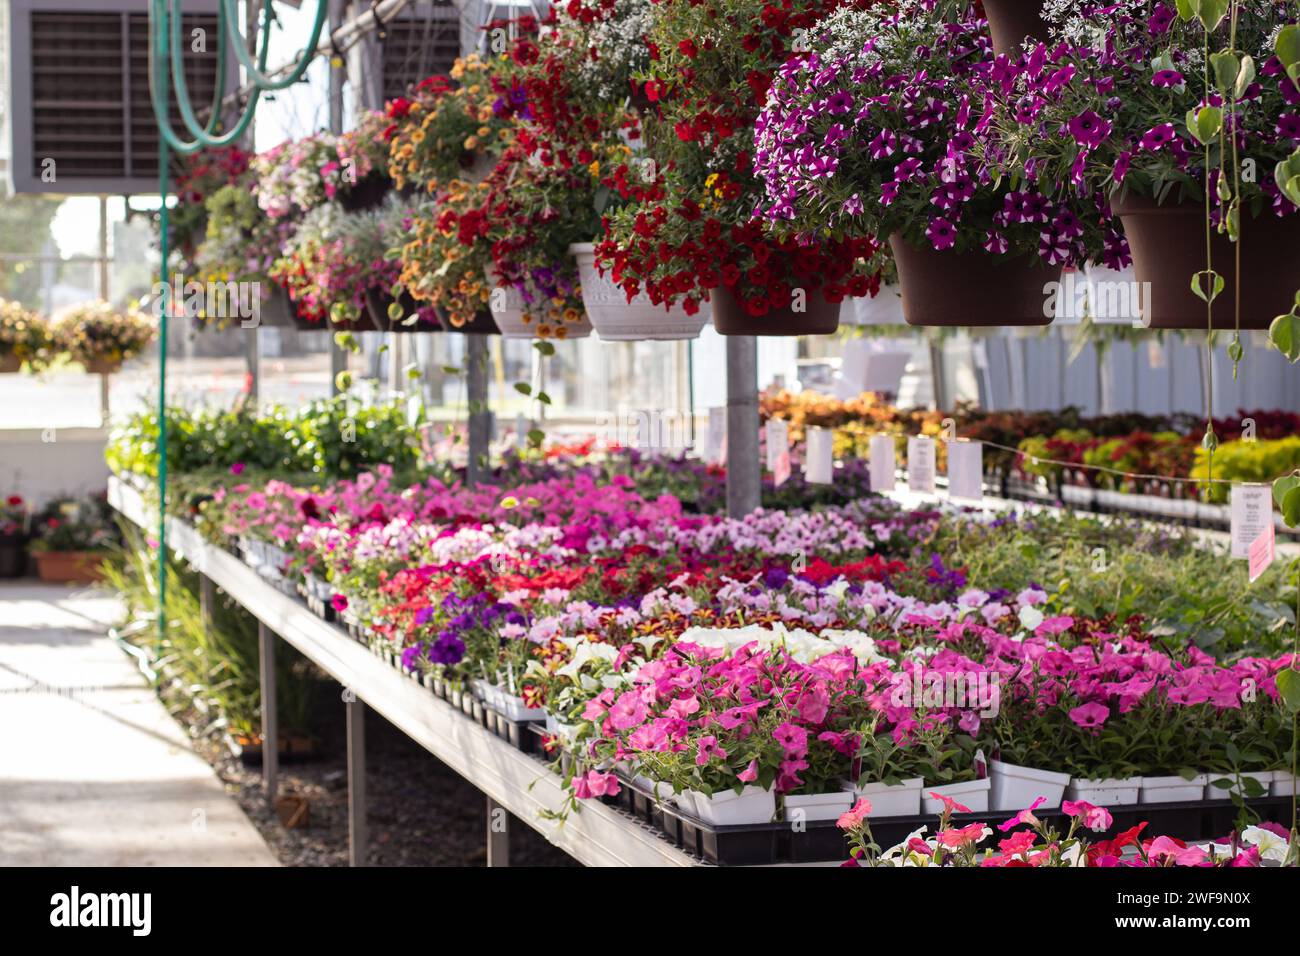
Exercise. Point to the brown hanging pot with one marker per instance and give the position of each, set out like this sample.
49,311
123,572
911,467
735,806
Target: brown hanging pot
1012,22
948,289
817,317
1168,246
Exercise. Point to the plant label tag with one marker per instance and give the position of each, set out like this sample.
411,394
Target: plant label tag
778,440
781,471
1252,511
882,463
920,464
966,470
819,457
1262,552
715,439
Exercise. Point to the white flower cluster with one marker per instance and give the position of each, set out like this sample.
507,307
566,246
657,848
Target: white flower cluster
616,47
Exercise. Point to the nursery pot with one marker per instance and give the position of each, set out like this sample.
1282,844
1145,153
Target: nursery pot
1284,784
1012,21
617,319
1172,789
13,556
728,808
1106,793
818,317
892,800
10,363
973,794
506,304
377,304
1015,787
817,806
1168,246
975,289
367,193
69,567
102,366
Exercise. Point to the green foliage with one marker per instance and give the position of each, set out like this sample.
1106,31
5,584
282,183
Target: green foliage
325,440
1254,461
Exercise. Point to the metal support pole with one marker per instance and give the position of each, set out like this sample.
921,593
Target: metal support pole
744,475
938,374
358,838
498,834
480,417
270,725
337,71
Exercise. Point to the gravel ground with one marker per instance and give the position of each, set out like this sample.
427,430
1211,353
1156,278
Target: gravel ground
420,812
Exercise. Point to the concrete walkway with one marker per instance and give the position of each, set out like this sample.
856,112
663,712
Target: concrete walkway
93,771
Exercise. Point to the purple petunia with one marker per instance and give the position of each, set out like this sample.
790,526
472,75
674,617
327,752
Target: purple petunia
1089,129
1288,125
1168,78
1158,137
941,233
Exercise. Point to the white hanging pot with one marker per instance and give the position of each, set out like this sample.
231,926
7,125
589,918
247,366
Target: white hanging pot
885,308
892,800
506,304
618,320
972,794
1172,789
817,806
727,808
1106,793
1016,788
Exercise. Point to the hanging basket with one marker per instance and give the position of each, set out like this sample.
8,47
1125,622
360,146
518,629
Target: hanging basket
507,306
884,308
481,324
368,193
10,364
377,304
277,310
818,317
972,289
1168,246
1012,22
102,366
618,320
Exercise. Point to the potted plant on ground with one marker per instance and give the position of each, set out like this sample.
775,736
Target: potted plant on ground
13,537
1180,127
71,537
687,232
24,337
880,136
101,337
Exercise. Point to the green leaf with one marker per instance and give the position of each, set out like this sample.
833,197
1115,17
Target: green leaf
523,388
1284,334
1245,77
1217,285
1287,174
544,347
1205,123
1284,486
544,398
1291,508
1287,47
1187,8
1226,68
1288,688
535,437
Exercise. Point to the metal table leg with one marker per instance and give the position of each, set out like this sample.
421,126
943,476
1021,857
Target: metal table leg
270,725
358,839
498,834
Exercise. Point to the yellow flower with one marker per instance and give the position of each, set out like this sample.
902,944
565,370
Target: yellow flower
594,169
417,137
471,143
483,131
571,314
712,178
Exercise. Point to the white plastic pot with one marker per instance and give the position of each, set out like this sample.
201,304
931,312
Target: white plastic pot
507,306
1284,785
618,320
1172,789
1016,788
885,309
662,791
896,800
969,793
1265,778
727,808
817,806
1106,793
